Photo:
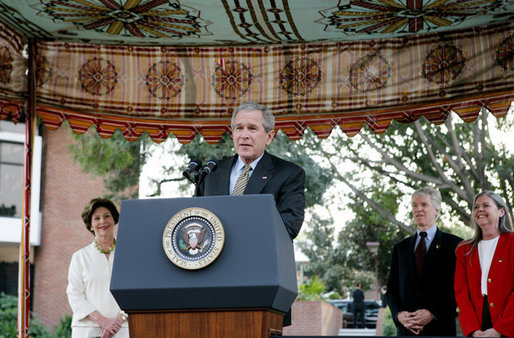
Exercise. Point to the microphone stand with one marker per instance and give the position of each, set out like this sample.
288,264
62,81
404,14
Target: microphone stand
197,176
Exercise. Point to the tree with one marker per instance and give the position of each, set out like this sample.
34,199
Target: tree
345,260
458,158
115,159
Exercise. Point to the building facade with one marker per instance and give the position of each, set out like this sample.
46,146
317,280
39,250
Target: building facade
56,227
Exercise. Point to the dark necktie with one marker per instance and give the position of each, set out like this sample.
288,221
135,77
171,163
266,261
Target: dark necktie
242,181
419,253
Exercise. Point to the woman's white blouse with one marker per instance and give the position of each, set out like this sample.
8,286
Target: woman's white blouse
486,251
89,279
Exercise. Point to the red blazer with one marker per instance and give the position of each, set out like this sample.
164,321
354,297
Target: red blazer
500,287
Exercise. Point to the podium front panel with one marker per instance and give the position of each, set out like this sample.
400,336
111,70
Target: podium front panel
255,269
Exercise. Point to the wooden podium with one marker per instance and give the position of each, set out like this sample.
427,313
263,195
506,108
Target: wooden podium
200,324
244,292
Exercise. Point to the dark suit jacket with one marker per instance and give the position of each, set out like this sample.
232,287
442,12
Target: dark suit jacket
358,300
433,290
283,179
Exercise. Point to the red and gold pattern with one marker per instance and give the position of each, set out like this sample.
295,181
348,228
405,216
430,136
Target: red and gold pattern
443,64
505,54
231,79
6,66
164,80
186,90
43,70
370,72
300,77
398,16
130,18
98,76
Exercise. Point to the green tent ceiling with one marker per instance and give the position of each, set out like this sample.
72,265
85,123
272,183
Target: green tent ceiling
180,67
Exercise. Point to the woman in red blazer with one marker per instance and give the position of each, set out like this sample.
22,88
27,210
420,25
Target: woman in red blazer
484,275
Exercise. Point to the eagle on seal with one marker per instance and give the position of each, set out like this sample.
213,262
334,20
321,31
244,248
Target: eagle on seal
193,239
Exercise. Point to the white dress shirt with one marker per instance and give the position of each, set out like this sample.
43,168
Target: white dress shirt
428,239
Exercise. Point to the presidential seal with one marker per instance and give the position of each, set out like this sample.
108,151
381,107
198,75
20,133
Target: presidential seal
193,238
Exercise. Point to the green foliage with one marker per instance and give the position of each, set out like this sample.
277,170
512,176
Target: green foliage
200,149
312,290
115,159
63,330
388,327
382,171
369,226
343,262
8,319
459,158
8,313
320,251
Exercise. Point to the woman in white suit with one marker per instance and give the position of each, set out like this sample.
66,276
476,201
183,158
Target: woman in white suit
95,311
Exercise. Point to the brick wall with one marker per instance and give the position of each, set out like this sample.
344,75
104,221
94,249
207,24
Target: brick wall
314,319
65,191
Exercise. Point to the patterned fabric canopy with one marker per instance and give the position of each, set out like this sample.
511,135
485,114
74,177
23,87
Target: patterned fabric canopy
180,67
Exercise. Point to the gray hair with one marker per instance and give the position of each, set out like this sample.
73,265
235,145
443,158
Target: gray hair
504,222
268,120
434,194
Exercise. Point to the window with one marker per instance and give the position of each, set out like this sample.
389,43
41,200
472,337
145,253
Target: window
12,152
11,179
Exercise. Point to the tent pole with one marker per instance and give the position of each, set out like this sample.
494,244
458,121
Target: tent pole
24,259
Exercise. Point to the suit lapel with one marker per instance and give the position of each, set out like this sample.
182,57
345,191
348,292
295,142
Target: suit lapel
261,176
223,181
435,246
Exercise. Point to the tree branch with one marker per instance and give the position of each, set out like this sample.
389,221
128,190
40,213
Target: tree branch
463,214
398,165
458,166
457,149
436,165
378,208
478,151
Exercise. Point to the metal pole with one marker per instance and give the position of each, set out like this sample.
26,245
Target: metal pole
24,259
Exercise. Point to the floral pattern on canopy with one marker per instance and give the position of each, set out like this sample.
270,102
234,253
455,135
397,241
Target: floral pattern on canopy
180,67
170,67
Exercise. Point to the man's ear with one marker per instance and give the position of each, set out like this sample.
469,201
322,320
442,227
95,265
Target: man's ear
269,137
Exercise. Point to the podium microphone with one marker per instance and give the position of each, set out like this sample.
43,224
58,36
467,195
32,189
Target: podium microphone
191,172
208,168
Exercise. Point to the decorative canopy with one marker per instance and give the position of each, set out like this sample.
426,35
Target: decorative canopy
180,67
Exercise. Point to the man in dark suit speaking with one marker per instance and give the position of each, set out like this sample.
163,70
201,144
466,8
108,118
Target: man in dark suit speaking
420,285
253,171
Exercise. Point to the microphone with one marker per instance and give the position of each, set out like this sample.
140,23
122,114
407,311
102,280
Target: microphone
192,170
208,168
